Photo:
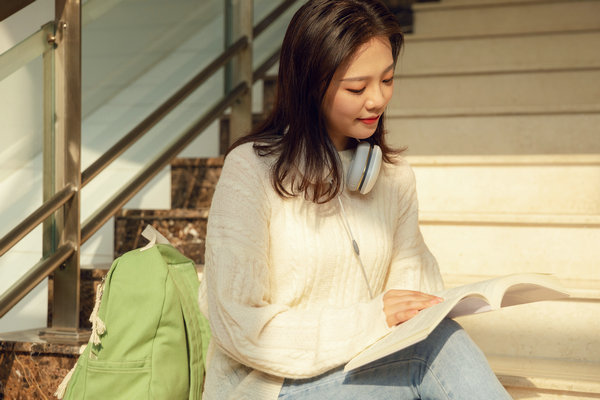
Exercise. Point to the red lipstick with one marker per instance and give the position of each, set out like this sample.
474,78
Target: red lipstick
369,121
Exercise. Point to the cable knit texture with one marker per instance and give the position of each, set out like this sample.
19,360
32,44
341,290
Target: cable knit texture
283,289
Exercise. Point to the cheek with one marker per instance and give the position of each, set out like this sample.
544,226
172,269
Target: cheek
388,92
347,105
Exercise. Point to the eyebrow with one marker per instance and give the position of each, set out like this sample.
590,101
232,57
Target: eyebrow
364,78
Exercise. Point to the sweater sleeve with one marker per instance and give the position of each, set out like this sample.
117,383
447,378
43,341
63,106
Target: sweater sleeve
278,339
413,266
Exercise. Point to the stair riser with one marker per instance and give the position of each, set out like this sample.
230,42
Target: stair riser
554,330
560,189
193,182
570,253
515,134
553,89
500,54
481,19
186,230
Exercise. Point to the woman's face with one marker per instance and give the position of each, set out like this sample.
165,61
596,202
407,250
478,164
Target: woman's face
359,92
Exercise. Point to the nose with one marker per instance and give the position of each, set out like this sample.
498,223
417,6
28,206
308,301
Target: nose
376,99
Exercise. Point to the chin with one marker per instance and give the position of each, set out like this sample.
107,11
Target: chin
364,134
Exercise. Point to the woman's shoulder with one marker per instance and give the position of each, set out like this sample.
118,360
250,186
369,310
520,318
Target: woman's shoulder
246,156
399,170
243,163
243,152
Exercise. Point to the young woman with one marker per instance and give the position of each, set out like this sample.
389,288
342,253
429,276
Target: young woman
302,272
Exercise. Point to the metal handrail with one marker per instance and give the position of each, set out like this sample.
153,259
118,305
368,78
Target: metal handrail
36,44
36,218
263,68
45,267
157,115
25,51
121,198
34,276
271,17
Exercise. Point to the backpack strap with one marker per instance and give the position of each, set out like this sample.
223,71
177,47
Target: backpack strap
185,278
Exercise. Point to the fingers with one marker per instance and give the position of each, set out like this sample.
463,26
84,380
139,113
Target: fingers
401,305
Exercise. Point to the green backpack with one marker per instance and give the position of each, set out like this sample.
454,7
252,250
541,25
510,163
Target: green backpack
148,338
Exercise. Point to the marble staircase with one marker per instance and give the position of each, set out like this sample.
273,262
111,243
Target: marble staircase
498,102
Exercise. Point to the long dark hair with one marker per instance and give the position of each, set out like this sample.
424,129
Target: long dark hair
322,35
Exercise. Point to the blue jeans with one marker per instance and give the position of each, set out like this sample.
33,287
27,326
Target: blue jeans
446,365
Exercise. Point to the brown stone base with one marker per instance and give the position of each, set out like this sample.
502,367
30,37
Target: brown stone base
31,368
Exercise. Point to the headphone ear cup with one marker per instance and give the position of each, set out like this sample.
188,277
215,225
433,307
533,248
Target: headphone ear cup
372,171
364,168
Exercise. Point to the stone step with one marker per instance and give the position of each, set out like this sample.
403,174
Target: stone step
541,349
556,90
544,330
547,346
531,379
476,248
492,17
502,53
516,134
538,184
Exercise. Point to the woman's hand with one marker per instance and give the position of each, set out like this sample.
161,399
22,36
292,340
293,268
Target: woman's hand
402,305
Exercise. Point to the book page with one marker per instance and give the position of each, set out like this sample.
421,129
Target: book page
470,305
528,292
484,289
463,300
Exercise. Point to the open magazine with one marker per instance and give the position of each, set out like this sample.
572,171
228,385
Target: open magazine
473,298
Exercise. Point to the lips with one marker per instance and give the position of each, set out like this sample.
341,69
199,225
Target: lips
370,120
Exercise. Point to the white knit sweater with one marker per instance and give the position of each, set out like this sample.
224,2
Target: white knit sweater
283,289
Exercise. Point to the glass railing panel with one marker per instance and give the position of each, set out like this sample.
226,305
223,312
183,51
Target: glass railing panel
21,113
131,65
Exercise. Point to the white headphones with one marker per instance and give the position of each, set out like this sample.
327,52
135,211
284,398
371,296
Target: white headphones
364,168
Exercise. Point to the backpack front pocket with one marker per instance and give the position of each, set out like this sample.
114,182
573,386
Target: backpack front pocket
118,380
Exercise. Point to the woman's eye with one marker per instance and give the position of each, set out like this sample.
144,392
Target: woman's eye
356,91
388,81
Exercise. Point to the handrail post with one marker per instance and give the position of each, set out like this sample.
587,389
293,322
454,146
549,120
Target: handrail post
239,23
66,149
49,236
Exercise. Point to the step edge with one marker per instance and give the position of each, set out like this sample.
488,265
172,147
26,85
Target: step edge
416,37
541,70
489,111
568,375
504,160
478,4
439,72
509,219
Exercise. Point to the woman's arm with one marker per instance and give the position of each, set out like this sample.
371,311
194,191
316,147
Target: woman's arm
414,271
275,338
